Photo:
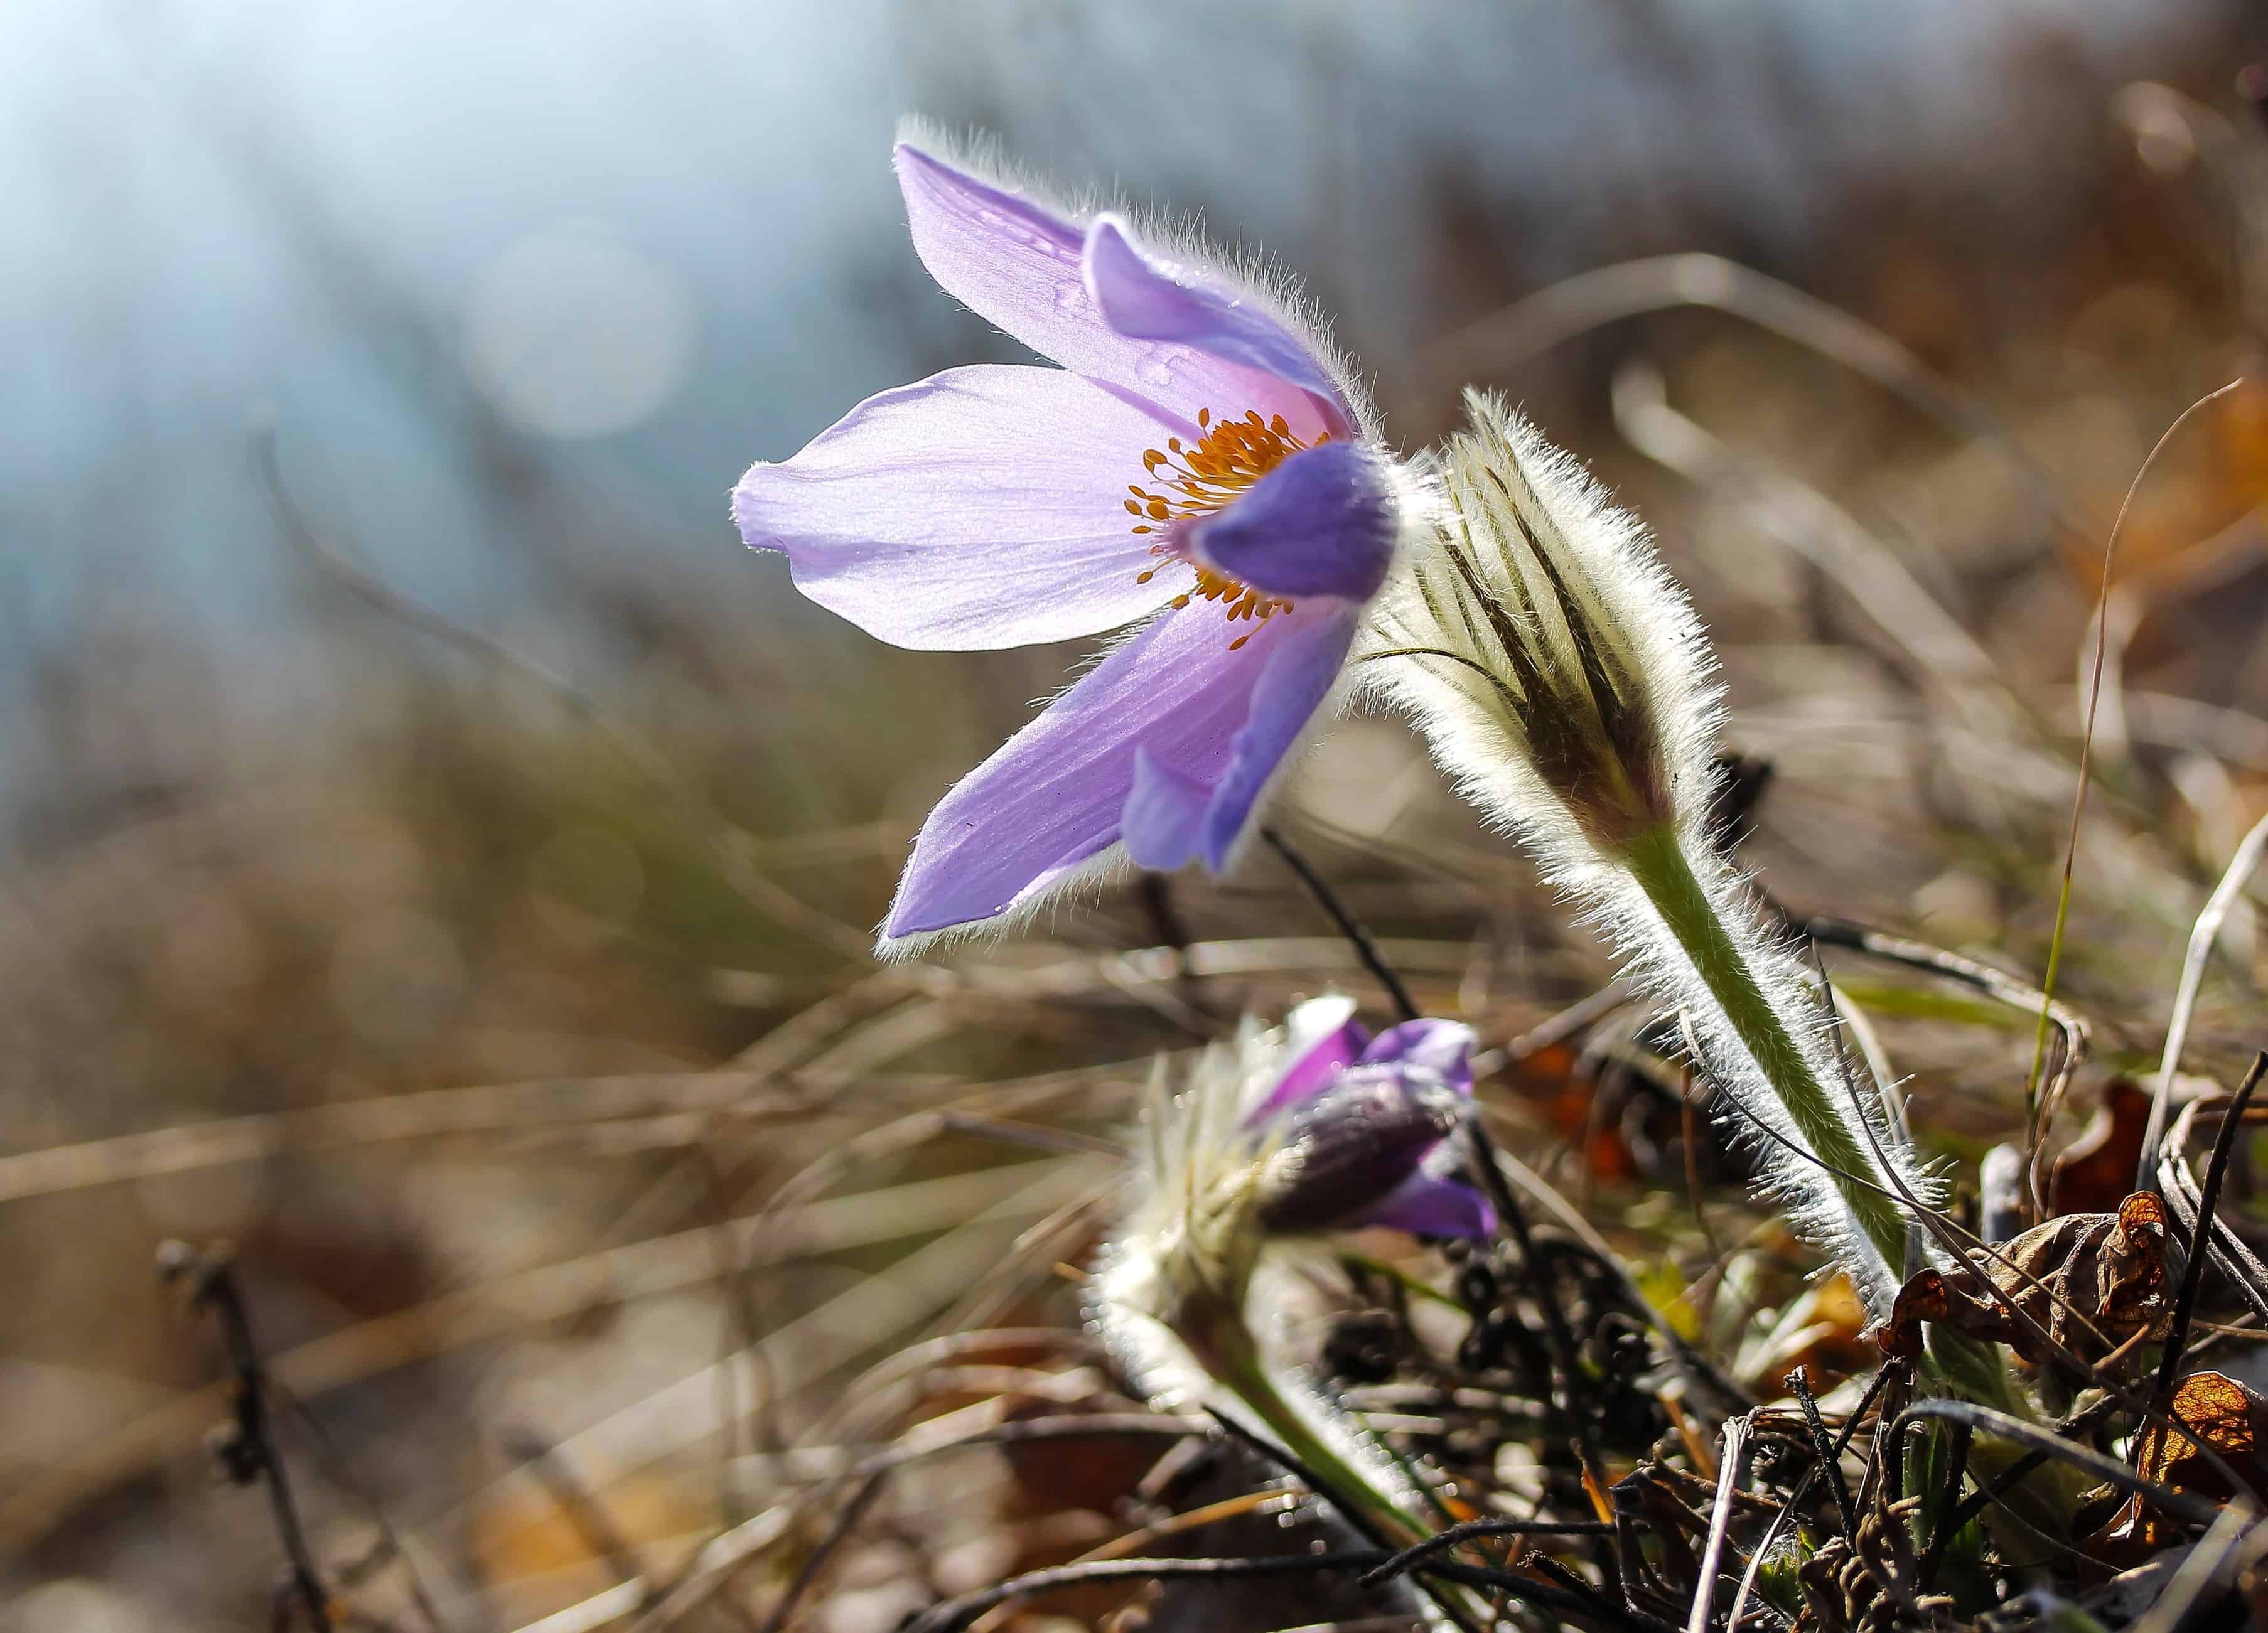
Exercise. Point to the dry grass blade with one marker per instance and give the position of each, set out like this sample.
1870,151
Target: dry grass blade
2033,1131
2203,934
1588,300
552,1294
1732,1462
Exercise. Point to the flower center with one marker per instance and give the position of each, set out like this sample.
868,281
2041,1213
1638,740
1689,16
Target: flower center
1199,479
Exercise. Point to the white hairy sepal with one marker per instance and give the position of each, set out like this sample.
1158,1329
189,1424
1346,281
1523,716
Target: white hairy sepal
1188,1237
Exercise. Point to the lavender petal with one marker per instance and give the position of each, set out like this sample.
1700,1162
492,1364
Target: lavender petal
1426,1206
983,507
1020,264
1322,523
1300,673
1146,297
1321,1038
1053,796
1440,1048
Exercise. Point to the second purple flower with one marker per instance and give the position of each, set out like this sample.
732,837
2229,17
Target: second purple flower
1202,460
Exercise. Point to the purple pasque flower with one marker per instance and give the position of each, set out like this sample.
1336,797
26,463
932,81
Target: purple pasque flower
1357,1127
1200,459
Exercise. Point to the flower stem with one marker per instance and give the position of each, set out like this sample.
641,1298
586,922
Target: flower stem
1658,864
1234,1358
1957,1363
1247,1379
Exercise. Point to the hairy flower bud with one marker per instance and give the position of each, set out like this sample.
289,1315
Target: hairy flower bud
1343,1152
1558,671
1563,679
1310,1127
1315,1126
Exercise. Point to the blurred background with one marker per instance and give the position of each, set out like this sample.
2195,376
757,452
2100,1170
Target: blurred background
438,857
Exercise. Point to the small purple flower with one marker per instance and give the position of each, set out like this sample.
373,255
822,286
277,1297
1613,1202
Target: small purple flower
1200,456
1360,1125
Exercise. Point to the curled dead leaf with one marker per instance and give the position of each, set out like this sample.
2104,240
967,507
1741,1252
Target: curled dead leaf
2216,1409
2091,1173
2092,1281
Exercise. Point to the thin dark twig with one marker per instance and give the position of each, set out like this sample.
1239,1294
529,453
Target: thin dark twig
1268,1451
1410,1558
2224,1147
1358,1522
1830,1462
1358,936
2010,1478
1581,1600
333,1463
1831,1468
816,1560
1543,1283
1574,1593
1699,1371
254,1454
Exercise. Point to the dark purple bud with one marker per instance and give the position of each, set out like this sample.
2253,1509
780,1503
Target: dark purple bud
1345,1149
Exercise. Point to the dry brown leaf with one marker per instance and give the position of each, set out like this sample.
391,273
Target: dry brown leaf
2215,1408
2091,1174
2109,1268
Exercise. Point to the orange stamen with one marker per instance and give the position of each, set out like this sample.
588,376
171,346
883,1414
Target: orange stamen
1192,481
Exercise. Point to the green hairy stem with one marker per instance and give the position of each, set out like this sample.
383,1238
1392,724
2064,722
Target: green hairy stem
1228,1350
1657,862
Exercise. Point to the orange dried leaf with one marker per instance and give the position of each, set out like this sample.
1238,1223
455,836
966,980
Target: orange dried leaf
2215,1408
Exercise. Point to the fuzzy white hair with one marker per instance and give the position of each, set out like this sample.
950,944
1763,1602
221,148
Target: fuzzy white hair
1558,670
1190,1230
1565,684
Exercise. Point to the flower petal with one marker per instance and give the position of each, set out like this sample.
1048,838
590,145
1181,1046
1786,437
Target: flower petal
1192,793
1021,265
1300,673
1165,815
1053,796
1442,1048
983,507
1321,1038
1425,1206
1145,297
1322,523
